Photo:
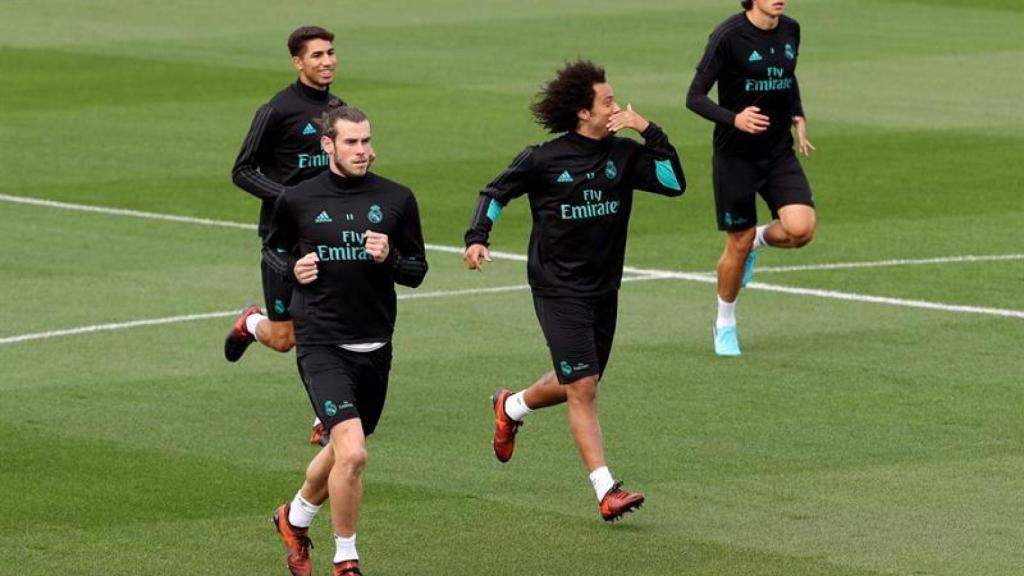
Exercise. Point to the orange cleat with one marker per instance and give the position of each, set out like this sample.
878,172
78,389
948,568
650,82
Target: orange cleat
347,568
505,428
238,338
295,541
618,501
319,436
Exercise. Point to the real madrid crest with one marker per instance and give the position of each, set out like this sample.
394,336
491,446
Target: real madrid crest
609,170
375,215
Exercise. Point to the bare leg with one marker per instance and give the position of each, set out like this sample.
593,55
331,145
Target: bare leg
730,265
345,483
278,335
546,391
314,488
793,229
583,422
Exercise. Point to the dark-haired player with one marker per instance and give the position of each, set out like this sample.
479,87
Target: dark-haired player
752,56
358,235
580,187
282,149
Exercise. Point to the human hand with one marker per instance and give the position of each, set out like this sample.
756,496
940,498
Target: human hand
376,245
475,256
305,268
751,121
627,118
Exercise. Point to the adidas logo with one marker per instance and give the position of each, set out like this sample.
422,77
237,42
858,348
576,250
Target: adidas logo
309,130
323,218
755,57
565,178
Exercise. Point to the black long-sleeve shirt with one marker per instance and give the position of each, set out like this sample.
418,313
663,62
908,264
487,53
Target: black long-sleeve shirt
352,301
752,67
581,196
282,147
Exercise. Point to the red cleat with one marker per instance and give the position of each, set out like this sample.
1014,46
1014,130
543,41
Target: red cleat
505,428
238,338
347,568
319,436
617,502
295,541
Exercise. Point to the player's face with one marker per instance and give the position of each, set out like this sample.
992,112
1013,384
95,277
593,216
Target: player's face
350,151
596,119
770,7
316,63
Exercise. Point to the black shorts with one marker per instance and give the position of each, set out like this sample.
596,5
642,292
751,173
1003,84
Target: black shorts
780,180
277,293
579,332
342,384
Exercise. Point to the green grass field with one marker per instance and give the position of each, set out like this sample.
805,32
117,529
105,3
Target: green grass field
853,437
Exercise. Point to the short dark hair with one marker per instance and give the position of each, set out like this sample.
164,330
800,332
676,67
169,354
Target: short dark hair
329,119
747,4
572,90
297,39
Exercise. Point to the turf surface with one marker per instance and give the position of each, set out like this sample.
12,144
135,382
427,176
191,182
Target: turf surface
852,438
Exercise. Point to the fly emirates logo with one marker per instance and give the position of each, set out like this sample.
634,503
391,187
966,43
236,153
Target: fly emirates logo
593,207
351,249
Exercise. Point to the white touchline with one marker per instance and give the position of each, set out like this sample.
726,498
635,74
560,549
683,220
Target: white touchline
641,274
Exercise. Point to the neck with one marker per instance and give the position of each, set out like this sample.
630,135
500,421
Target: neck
591,132
305,81
762,20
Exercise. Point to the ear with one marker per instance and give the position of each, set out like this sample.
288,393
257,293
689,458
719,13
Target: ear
297,63
583,114
326,145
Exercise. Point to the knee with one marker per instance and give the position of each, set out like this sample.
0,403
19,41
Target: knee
582,391
738,244
801,235
351,460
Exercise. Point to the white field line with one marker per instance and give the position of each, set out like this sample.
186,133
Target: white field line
212,315
641,274
833,294
888,263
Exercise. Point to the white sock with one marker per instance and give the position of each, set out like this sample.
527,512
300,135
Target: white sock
515,406
302,512
601,480
345,548
252,321
726,313
759,241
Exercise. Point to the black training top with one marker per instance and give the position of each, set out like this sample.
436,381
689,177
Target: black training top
282,147
352,301
753,67
581,194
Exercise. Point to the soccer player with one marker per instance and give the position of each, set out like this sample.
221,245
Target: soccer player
752,56
580,187
359,234
282,149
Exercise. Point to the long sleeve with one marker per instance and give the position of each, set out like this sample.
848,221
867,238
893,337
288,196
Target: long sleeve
280,242
707,74
407,255
510,184
246,171
656,167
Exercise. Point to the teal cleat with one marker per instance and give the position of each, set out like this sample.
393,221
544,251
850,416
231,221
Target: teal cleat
727,343
748,268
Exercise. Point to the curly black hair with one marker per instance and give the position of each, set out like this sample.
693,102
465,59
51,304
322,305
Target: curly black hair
572,90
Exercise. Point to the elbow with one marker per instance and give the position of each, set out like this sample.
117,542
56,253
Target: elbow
691,101
236,176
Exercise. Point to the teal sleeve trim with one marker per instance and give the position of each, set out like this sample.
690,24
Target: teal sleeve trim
494,210
666,175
